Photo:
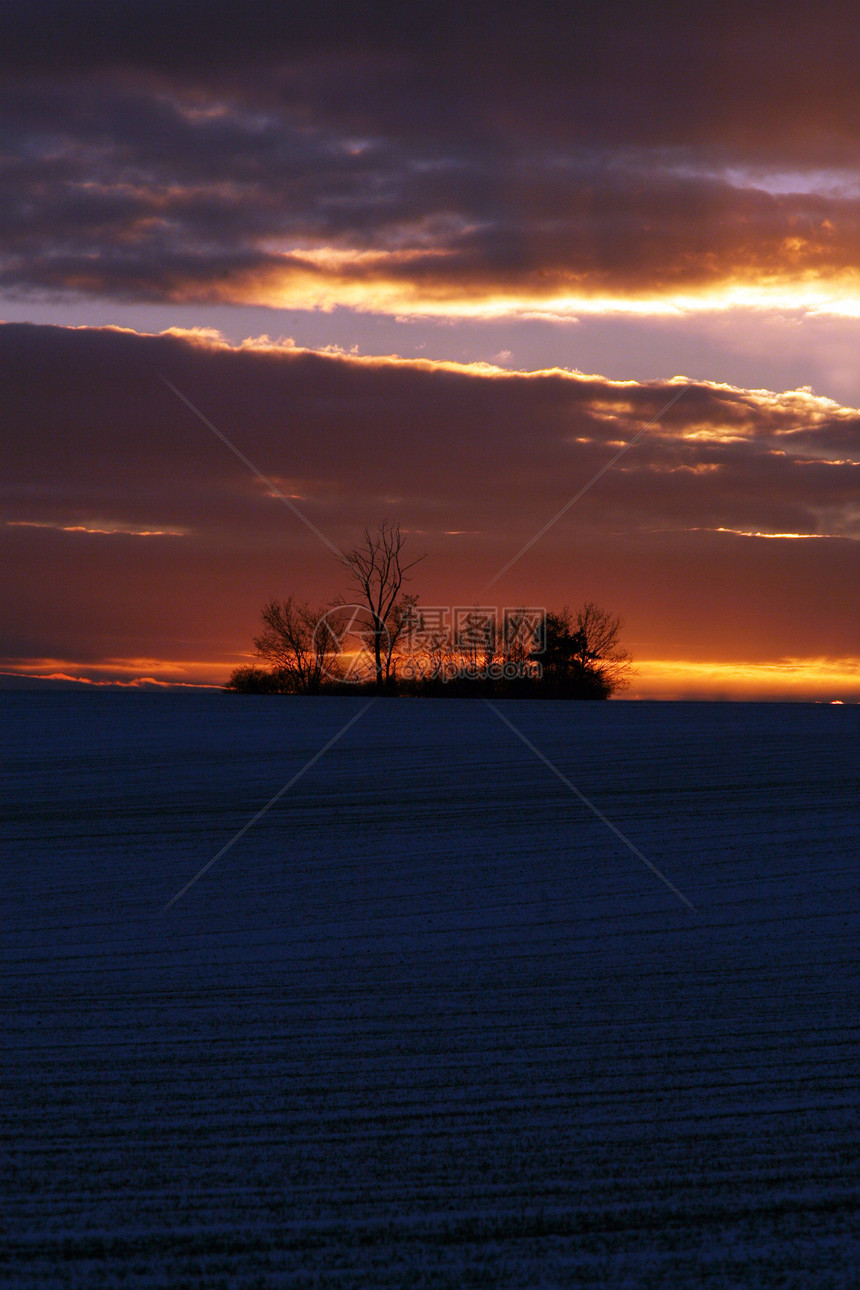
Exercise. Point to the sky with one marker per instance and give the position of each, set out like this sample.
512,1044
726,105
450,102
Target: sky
271,275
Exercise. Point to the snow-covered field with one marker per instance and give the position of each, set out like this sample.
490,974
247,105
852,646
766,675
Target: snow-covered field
429,1022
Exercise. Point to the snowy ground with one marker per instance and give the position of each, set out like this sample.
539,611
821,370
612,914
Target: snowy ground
429,1022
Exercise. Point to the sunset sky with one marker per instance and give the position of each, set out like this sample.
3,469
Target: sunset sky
437,264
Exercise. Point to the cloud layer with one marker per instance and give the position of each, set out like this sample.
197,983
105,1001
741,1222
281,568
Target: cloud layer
729,532
441,160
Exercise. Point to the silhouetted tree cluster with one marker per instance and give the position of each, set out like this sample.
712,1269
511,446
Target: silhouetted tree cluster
299,643
582,658
313,649
385,643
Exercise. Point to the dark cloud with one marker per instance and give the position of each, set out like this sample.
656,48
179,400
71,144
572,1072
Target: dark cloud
202,152
758,74
101,458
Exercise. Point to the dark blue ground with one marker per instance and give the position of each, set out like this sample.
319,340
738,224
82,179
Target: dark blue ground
429,1022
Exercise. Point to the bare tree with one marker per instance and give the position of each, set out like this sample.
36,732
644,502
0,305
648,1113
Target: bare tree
299,642
581,657
430,646
377,572
523,631
440,655
597,649
400,622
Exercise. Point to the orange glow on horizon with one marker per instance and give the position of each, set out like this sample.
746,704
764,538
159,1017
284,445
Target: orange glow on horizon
818,679
834,680
123,672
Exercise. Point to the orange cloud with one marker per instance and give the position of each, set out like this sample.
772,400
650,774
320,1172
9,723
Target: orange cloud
99,528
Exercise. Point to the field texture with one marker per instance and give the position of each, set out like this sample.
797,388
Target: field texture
429,1022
